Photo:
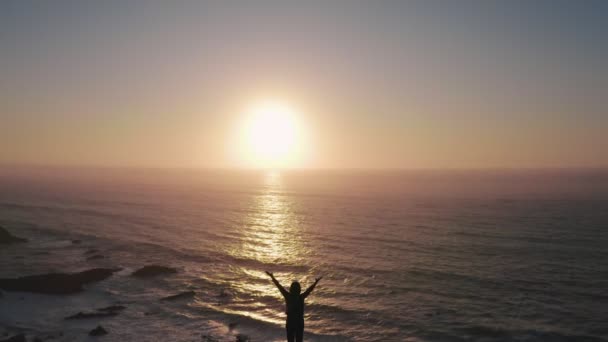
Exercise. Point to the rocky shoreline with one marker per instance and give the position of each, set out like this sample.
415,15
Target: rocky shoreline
60,284
7,238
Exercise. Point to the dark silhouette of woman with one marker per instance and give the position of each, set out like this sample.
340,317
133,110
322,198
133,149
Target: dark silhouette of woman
294,307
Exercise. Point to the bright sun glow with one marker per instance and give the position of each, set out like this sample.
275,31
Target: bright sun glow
271,135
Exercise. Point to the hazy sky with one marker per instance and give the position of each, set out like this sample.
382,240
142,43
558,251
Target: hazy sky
414,84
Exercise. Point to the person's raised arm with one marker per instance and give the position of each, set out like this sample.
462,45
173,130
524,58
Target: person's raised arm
311,287
278,285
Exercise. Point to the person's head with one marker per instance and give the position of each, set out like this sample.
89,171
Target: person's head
295,288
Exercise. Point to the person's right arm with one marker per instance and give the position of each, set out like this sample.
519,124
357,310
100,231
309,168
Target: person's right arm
278,285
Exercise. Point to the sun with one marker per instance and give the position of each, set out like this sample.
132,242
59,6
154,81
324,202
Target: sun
271,135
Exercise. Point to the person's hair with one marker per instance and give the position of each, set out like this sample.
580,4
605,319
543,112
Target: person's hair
295,288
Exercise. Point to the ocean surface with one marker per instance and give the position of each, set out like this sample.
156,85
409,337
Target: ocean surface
487,255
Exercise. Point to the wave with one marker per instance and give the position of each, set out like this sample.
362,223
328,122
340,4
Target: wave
503,334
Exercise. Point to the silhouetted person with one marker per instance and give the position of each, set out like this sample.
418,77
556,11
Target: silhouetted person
294,307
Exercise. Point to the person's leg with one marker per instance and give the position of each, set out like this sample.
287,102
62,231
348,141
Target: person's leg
291,334
300,332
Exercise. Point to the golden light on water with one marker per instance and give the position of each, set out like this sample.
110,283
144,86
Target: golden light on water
271,231
271,235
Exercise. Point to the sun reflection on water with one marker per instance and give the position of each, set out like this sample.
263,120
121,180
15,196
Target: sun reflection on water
270,238
271,230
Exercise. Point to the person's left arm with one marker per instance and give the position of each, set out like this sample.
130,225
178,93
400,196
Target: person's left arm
311,287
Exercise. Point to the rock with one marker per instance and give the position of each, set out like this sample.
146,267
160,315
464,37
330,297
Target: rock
76,241
95,257
242,338
108,311
186,294
85,315
99,331
8,238
92,251
16,338
56,283
153,270
112,308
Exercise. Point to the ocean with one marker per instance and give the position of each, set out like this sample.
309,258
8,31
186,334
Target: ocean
420,255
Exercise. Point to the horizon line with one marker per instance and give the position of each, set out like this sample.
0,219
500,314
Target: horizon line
240,168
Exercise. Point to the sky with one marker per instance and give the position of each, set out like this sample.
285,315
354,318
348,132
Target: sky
374,84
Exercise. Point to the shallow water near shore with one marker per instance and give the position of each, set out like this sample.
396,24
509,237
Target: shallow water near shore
405,255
